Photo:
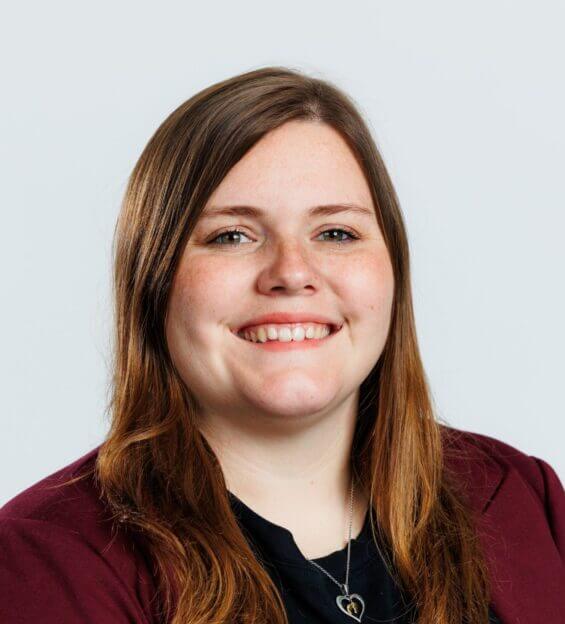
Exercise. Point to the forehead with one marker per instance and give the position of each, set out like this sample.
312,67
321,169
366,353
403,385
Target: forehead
300,164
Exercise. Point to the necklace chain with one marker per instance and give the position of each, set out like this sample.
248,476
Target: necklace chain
343,586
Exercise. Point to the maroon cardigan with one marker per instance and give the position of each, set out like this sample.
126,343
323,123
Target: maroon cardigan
60,561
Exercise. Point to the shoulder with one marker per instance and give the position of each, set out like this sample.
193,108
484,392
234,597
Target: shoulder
54,507
470,449
46,500
60,538
495,472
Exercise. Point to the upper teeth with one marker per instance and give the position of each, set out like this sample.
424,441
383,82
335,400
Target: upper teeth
285,333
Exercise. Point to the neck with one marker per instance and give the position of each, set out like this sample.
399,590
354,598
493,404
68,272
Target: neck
296,475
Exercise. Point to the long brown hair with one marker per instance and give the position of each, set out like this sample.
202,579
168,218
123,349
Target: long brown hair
156,471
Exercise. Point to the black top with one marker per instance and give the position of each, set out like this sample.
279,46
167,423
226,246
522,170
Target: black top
308,594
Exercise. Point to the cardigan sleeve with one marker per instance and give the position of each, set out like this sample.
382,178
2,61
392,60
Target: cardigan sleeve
52,574
554,504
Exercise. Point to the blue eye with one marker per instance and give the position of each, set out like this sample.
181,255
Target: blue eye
351,237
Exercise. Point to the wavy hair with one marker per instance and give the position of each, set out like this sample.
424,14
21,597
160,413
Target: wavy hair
155,470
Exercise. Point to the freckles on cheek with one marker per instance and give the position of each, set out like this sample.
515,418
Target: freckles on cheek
206,290
195,294
370,283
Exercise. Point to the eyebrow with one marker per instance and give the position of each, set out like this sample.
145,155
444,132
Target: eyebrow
256,213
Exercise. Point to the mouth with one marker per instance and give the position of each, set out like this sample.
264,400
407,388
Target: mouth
288,336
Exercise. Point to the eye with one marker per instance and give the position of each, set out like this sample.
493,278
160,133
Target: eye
225,233
235,232
349,233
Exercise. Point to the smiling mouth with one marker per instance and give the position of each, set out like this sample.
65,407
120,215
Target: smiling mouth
289,334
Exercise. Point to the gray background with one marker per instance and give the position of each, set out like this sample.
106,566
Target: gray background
466,103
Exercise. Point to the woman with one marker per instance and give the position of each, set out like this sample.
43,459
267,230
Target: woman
269,397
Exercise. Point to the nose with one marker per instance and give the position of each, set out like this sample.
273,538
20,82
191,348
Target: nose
289,268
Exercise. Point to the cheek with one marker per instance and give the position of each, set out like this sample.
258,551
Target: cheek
367,288
201,295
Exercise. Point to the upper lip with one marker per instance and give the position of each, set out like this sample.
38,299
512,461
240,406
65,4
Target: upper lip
289,317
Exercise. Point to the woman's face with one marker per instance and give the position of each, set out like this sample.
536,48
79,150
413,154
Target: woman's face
283,259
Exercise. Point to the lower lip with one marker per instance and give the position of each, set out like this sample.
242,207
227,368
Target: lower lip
275,345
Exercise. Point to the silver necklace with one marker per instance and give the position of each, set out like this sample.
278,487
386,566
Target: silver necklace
352,605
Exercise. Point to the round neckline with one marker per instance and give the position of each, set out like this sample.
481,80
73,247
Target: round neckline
281,546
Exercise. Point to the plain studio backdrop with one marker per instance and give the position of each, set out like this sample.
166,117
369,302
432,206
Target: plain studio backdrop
465,101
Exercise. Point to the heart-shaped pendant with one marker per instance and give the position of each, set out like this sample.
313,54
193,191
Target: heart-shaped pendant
352,605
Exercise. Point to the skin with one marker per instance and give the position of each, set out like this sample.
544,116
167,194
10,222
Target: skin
281,423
